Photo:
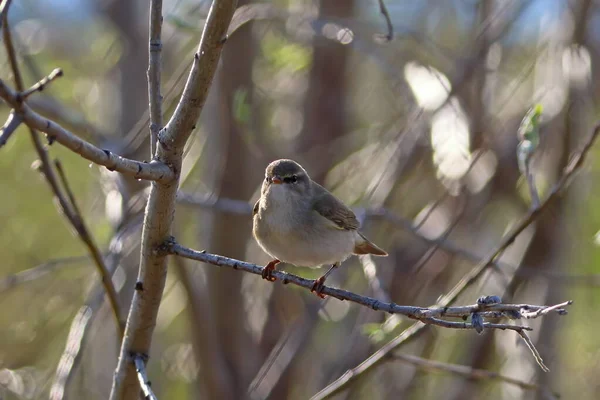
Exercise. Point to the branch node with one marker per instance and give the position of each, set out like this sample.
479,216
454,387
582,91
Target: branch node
477,322
489,300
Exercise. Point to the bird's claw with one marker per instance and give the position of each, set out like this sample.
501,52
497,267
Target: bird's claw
317,287
268,269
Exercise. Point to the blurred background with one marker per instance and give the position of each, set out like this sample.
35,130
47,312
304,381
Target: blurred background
424,126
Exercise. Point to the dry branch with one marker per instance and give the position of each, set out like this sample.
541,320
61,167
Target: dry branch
427,315
153,170
41,85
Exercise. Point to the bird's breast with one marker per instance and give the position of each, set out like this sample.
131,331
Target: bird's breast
299,239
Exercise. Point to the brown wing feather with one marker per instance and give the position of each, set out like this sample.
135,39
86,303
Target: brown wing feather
333,209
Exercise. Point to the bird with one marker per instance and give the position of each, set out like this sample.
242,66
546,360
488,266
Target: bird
299,222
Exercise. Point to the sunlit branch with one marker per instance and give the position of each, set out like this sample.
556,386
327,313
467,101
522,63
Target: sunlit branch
140,367
41,85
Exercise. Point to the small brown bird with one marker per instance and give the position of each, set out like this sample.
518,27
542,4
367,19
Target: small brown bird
297,221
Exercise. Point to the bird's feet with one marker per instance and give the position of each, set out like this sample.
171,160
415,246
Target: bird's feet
270,267
318,287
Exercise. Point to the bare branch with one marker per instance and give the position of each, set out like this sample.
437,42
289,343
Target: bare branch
390,28
154,95
140,367
161,201
10,126
41,85
423,314
534,351
380,355
470,373
154,170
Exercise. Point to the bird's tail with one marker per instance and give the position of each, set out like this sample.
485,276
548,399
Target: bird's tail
365,246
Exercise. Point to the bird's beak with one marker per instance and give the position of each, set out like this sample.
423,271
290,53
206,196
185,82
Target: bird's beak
276,180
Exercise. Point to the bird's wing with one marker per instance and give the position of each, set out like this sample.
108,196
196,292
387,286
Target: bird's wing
255,209
333,209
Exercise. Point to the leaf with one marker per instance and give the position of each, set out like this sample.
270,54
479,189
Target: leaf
530,126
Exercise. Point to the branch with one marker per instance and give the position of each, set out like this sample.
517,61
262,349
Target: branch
380,355
41,85
155,171
154,96
386,15
161,201
140,367
470,373
10,126
426,315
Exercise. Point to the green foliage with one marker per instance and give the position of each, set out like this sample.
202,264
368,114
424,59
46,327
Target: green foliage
284,55
529,136
529,130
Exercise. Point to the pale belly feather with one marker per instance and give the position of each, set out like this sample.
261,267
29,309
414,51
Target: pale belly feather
304,243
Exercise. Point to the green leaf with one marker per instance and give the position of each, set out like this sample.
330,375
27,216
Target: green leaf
530,126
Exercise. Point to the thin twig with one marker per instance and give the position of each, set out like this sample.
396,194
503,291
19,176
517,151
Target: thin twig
540,311
10,126
386,15
534,351
41,85
140,368
154,49
470,373
67,187
380,355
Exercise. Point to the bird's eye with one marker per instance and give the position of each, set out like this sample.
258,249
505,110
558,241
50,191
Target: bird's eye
290,179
